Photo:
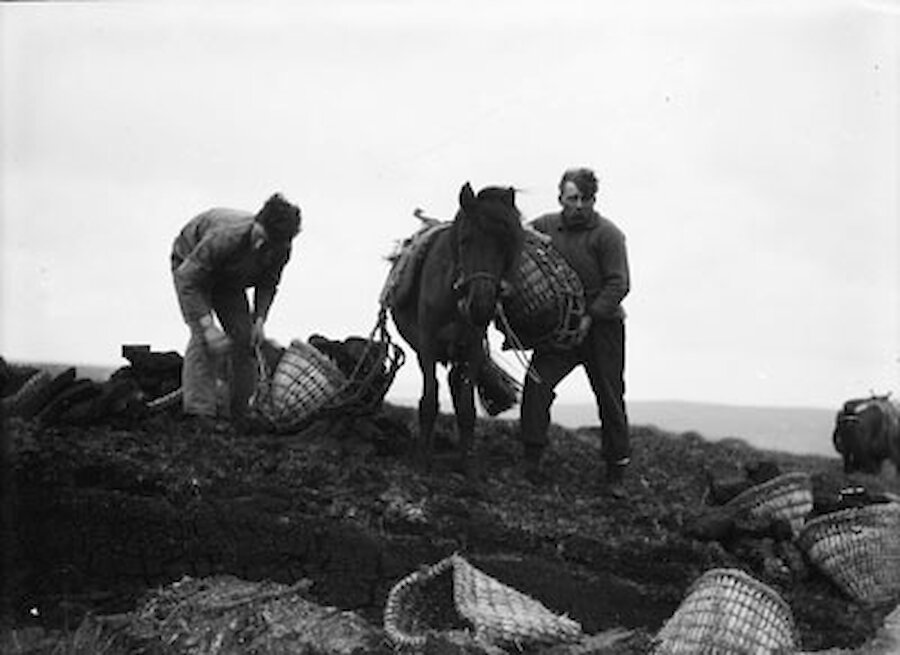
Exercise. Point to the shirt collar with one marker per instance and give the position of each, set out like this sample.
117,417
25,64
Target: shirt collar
586,223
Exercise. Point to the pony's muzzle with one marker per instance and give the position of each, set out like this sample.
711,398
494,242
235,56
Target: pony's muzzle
480,300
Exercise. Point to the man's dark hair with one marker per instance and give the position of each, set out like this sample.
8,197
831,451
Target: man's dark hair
280,218
583,178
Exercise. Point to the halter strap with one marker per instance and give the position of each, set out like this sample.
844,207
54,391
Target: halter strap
463,280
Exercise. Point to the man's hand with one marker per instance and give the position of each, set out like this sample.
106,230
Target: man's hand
584,327
215,340
257,333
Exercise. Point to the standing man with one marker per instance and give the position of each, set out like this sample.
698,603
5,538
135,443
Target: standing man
595,248
218,255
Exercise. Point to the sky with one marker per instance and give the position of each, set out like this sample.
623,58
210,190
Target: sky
747,149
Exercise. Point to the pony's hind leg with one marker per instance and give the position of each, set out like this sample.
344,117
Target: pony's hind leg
462,390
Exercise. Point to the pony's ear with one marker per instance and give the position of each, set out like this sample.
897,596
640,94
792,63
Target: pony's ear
466,196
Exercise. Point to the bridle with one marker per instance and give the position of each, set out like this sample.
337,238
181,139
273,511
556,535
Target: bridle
464,281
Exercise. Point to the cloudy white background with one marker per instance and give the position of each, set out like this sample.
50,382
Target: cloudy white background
748,149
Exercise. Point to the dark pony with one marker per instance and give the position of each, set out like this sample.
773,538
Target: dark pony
867,432
454,298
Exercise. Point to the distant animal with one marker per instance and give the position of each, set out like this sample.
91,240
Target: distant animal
867,432
453,298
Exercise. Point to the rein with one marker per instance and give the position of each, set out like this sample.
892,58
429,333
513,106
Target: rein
463,279
518,346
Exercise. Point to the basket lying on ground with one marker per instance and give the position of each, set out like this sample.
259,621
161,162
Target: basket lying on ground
454,595
859,549
728,612
788,497
304,381
370,372
546,299
351,379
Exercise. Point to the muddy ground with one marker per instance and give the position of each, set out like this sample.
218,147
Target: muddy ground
106,512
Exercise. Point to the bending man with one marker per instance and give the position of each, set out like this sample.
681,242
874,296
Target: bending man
215,258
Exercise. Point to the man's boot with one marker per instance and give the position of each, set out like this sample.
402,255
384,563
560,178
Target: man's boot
615,480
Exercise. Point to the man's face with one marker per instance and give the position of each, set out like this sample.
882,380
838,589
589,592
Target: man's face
574,204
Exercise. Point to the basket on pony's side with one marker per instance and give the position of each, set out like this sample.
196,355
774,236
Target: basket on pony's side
307,384
728,612
454,595
545,301
788,497
859,549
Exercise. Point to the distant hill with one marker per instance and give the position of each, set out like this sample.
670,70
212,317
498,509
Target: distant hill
798,430
801,430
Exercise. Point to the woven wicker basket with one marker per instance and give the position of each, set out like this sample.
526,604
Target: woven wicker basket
304,381
728,612
788,497
372,375
453,595
546,301
859,549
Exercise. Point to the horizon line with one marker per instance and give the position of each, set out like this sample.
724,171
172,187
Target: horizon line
110,368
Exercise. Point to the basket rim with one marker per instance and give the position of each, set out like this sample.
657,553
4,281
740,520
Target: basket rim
799,480
850,515
816,528
396,593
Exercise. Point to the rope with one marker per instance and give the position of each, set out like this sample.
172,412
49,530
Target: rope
518,347
352,398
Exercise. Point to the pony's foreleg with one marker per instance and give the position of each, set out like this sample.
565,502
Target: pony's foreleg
428,409
462,390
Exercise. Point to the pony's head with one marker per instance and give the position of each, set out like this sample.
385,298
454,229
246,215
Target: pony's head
489,237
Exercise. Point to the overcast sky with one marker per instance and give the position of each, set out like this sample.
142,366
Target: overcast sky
748,149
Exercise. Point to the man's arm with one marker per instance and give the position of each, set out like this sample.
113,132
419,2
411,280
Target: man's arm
265,290
616,279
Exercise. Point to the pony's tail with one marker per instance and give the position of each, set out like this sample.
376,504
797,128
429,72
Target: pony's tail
498,391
